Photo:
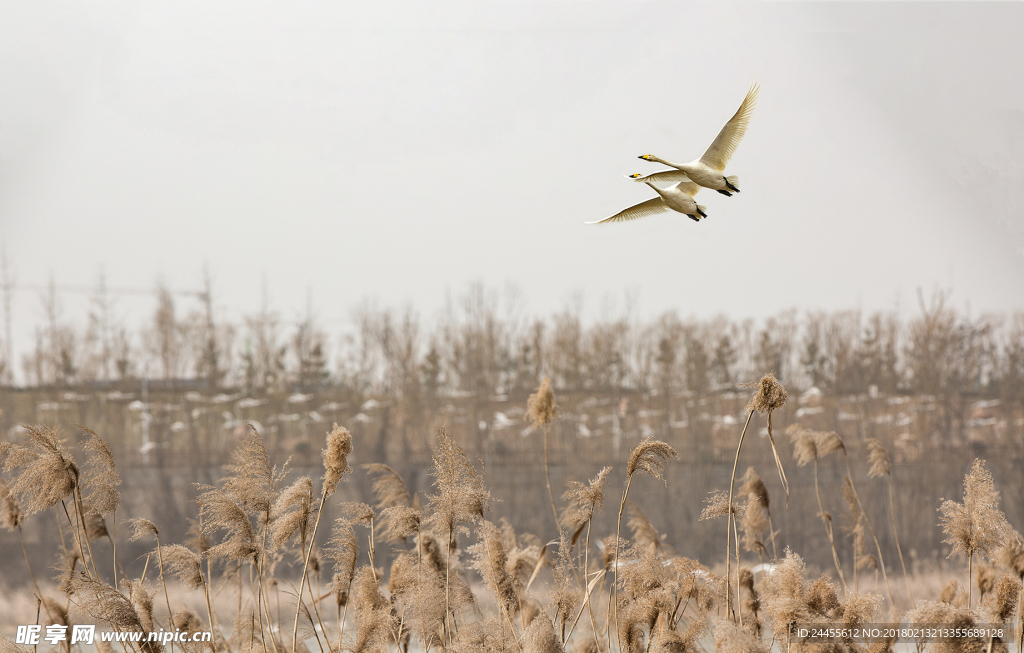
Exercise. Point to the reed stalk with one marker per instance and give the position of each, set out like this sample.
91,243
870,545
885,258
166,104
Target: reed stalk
163,583
729,525
305,566
613,603
547,479
896,535
827,521
878,547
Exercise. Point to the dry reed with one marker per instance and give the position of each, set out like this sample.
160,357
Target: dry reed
648,457
808,447
540,410
880,465
657,601
976,526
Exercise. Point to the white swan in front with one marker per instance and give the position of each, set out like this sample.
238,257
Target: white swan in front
678,197
709,170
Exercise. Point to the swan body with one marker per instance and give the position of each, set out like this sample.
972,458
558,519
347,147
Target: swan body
678,197
709,170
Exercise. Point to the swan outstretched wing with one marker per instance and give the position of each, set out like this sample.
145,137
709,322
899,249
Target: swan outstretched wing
643,209
722,149
688,187
665,176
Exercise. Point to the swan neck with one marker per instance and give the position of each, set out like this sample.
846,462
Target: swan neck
678,166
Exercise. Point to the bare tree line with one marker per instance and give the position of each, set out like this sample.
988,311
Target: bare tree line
485,344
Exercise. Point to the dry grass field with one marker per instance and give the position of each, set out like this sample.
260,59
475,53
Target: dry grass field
511,538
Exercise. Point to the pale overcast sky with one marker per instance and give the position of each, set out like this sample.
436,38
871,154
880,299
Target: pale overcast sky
400,150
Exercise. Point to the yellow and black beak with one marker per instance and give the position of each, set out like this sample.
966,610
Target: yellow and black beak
635,175
645,156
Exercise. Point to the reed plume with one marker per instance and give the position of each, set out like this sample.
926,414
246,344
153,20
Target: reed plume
250,479
140,529
99,481
184,564
644,532
952,592
244,634
540,637
343,550
769,397
784,594
99,475
565,595
95,525
56,614
48,475
717,505
755,489
335,457
461,498
219,511
648,457
417,591
48,472
189,623
290,513
950,616
822,597
540,410
753,521
985,581
388,487
11,518
7,646
976,526
585,499
752,600
878,458
103,602
491,560
142,602
729,638
373,613
806,445
1003,599
1011,554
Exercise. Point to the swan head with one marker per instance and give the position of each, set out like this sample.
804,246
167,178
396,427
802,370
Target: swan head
635,175
647,157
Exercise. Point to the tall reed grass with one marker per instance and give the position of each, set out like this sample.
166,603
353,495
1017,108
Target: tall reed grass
463,579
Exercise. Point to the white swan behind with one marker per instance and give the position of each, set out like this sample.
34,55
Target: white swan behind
678,197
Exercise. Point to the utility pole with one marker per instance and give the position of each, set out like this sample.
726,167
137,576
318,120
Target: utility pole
211,355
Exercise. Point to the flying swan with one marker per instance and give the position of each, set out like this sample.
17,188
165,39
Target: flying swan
708,171
678,197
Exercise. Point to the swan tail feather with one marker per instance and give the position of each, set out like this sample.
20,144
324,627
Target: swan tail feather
732,182
702,210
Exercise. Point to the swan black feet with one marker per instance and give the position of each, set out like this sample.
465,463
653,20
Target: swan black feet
729,186
724,192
